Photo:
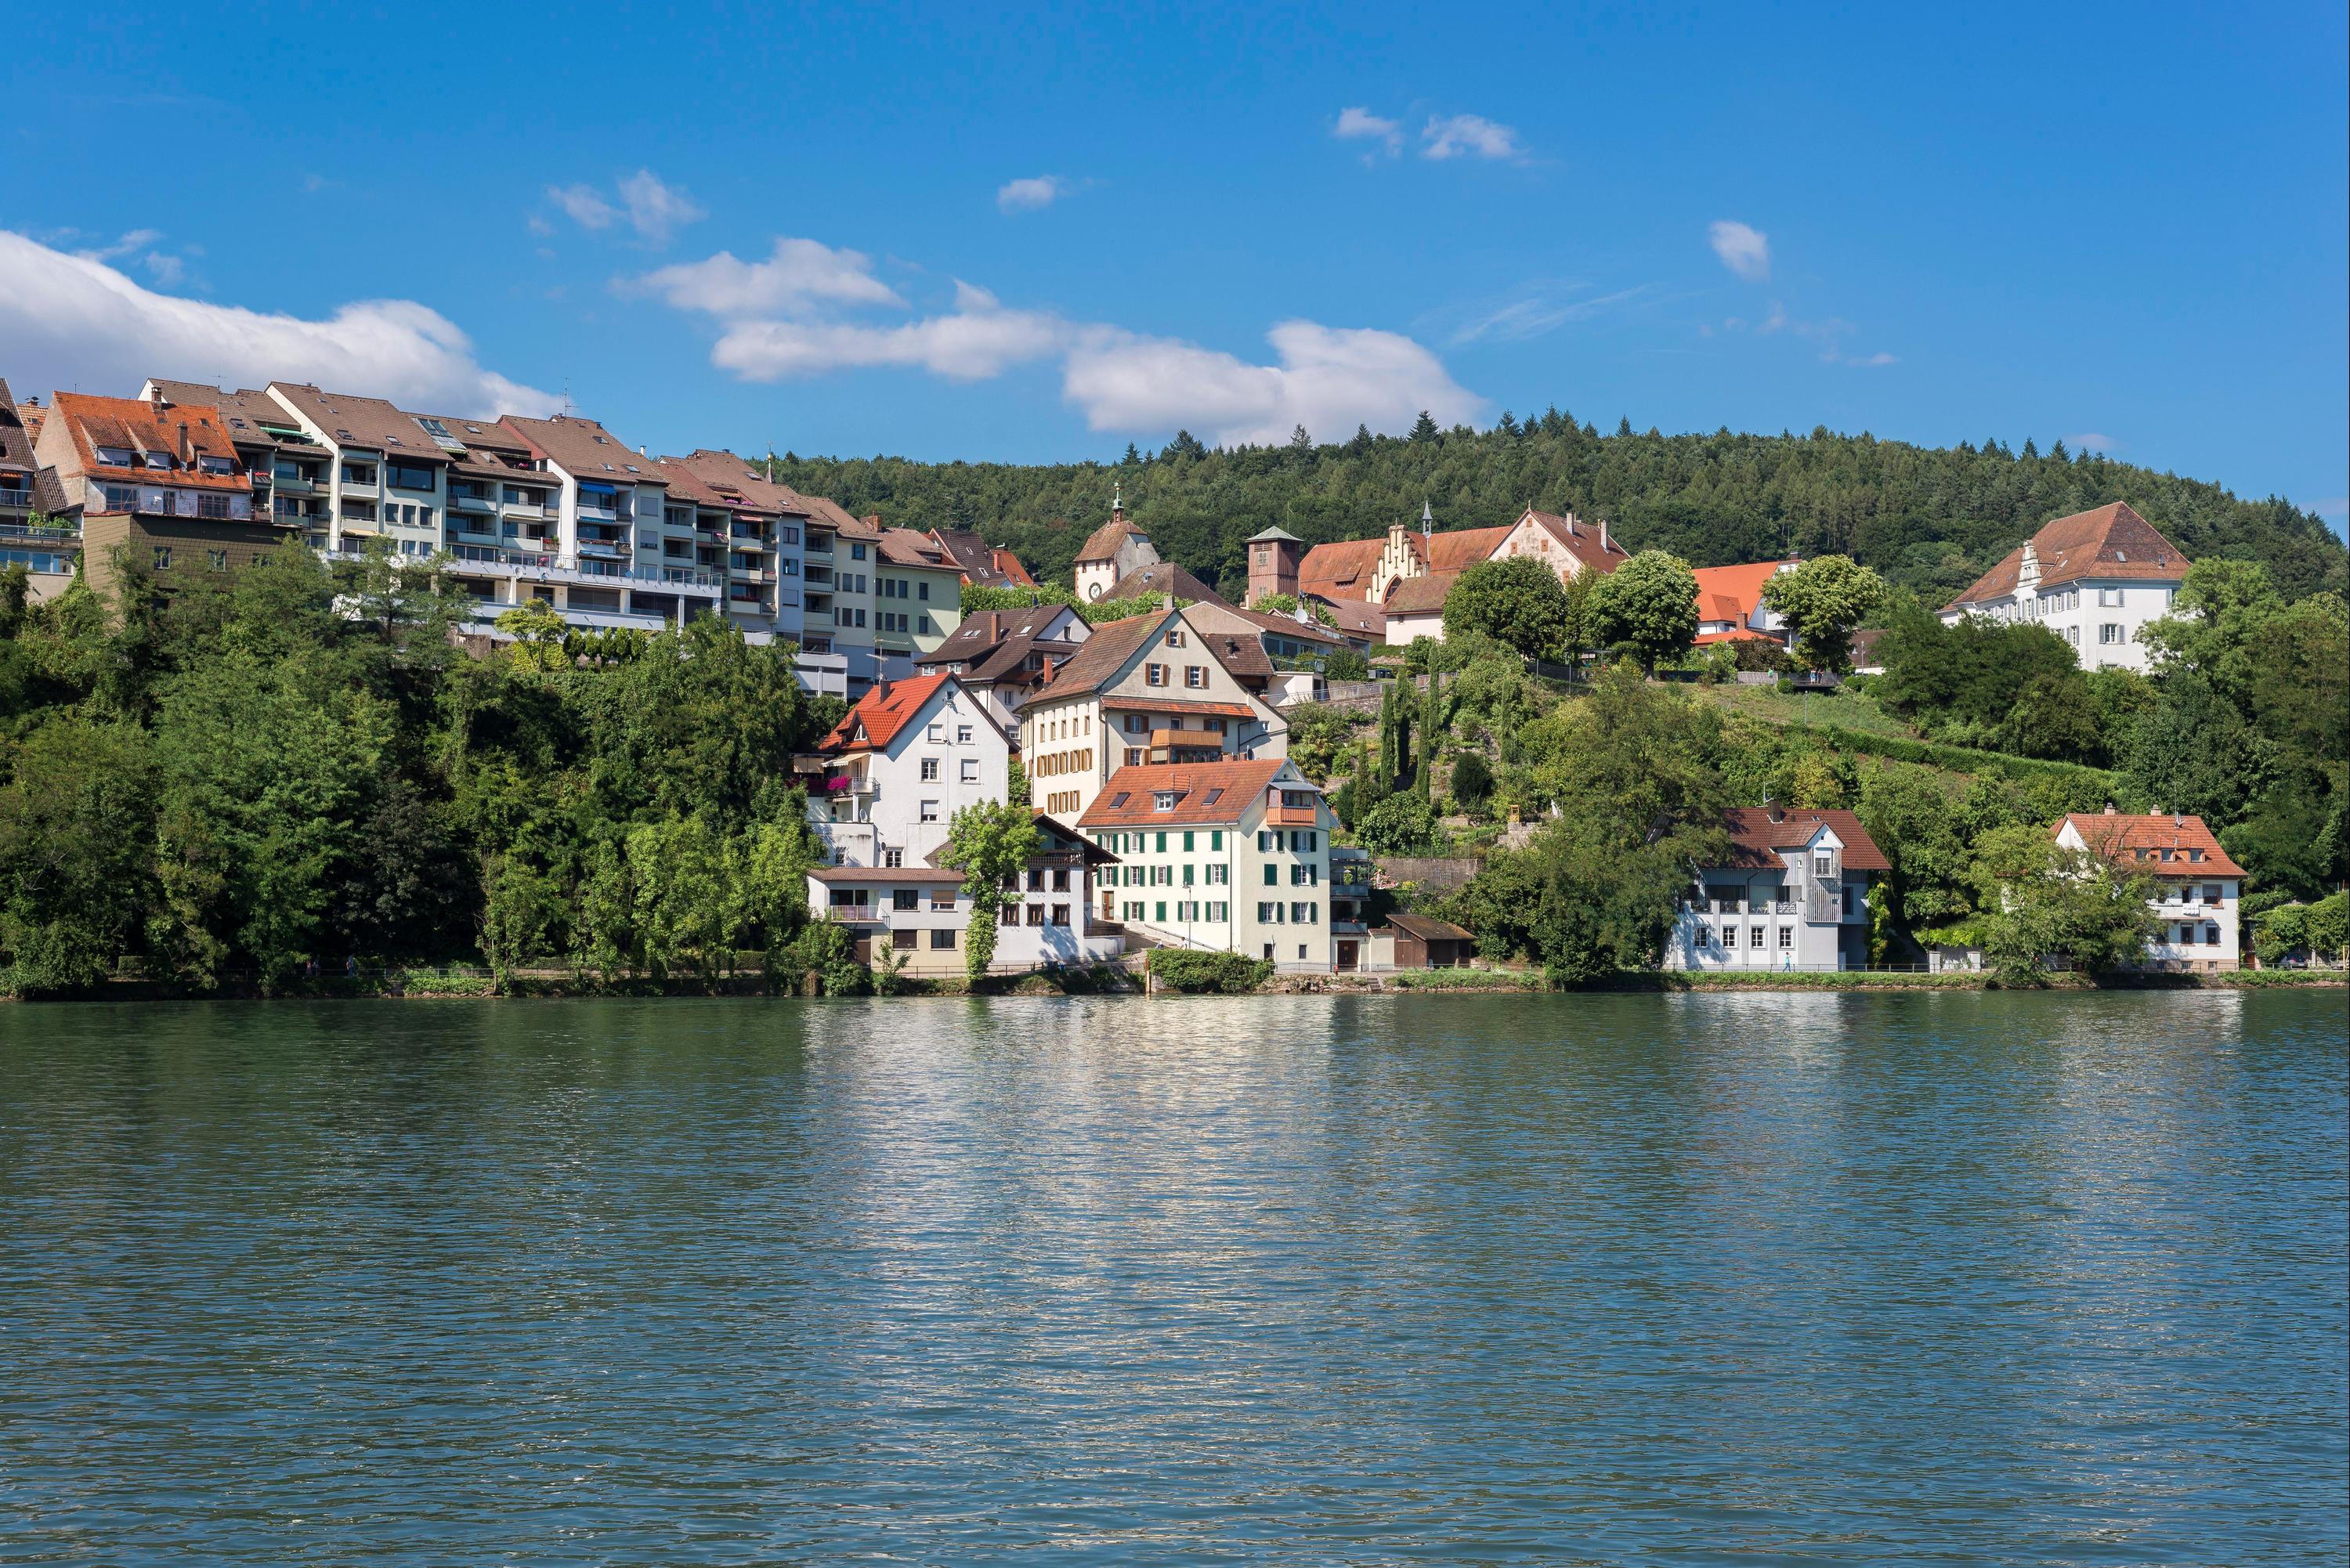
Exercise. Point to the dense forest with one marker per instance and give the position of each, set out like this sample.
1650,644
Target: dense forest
1929,520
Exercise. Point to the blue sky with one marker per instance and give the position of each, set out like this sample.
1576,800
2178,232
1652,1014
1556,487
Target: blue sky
1035,236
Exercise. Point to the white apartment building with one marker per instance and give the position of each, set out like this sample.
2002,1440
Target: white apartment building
922,914
1149,688
890,776
1231,856
757,536
384,476
1793,895
2095,578
2199,886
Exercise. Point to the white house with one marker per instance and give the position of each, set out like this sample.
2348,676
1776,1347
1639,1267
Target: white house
2095,578
1231,856
1109,552
1792,894
921,913
2198,887
894,770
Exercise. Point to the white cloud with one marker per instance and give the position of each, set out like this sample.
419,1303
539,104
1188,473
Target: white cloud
1743,249
797,274
1541,309
1359,123
1328,379
1469,135
2090,441
583,204
2334,507
71,320
653,209
1872,361
1027,195
971,344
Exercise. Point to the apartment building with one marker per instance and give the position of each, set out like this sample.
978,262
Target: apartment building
1232,855
756,535
1148,688
2095,578
2199,887
922,914
886,781
876,597
386,477
153,485
27,491
1004,655
1791,894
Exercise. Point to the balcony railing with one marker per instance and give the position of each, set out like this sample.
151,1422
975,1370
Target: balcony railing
12,496
53,534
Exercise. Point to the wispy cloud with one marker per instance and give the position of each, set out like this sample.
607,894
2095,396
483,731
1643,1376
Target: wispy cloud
72,321
1743,249
1540,309
1827,333
2092,441
1469,136
1027,195
1361,124
2335,509
653,209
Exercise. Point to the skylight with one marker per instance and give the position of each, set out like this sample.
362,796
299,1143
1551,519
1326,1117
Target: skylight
1214,797
1119,799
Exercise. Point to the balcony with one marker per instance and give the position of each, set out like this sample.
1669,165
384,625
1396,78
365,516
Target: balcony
1291,816
552,568
24,533
459,501
601,509
13,496
290,482
603,549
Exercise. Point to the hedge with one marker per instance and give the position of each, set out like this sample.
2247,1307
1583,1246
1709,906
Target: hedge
1968,760
1186,969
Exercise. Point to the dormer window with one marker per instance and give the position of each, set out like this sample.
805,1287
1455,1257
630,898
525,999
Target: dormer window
161,460
116,457
1165,799
214,464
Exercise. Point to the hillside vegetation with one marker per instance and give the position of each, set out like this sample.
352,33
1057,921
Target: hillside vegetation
1928,519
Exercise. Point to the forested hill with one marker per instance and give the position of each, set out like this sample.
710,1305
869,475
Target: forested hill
1928,518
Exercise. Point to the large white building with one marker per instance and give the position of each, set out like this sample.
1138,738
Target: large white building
2095,578
894,770
2198,887
1792,894
1231,856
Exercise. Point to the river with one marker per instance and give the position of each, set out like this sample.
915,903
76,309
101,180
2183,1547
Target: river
1738,1279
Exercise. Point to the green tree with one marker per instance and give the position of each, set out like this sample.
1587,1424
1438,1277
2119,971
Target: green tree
1400,825
1648,605
1517,601
990,843
2045,903
76,836
1824,601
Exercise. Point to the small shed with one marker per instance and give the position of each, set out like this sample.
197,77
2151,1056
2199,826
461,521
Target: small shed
1415,941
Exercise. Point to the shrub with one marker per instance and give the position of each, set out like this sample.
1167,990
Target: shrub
1473,780
1187,970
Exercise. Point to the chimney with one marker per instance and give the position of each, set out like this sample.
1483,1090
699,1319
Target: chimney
1774,810
160,401
2109,808
881,690
1603,535
187,447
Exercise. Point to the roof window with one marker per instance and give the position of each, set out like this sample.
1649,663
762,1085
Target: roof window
600,441
1214,797
1119,799
1165,799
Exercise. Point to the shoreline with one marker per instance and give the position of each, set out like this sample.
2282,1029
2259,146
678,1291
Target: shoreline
1407,982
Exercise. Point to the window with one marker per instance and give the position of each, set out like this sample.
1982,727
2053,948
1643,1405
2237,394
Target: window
2210,936
359,473
930,770
2110,633
857,552
962,734
1704,936
1186,873
1195,676
1163,800
1218,874
2109,598
1161,844
938,734
1786,936
1059,916
1160,905
1305,915
1154,674
162,557
942,940
2212,892
408,475
115,457
121,498
159,459
971,770
904,898
1268,914
216,559
1305,875
930,811
1220,913
214,464
1823,863
1037,914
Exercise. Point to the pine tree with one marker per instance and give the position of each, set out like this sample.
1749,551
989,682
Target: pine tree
1624,425
1424,427
1508,425
1299,442
1132,456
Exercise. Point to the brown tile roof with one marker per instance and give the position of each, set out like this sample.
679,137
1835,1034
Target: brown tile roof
1162,577
1757,839
586,450
248,408
1464,547
905,548
1342,570
1101,656
685,485
369,423
2111,541
1359,617
15,443
885,874
988,565
881,712
139,425
1118,704
1582,541
2139,843
1102,543
1283,625
1129,798
1421,594
992,644
731,476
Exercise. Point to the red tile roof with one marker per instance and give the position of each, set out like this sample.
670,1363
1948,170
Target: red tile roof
1743,634
1733,593
1130,797
881,712
2110,542
1341,570
1421,594
138,426
1463,548
2138,843
1102,543
1758,838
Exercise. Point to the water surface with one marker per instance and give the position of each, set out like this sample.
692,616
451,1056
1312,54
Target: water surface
1750,1279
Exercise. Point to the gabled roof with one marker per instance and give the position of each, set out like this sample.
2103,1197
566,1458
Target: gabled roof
1427,930
15,443
1278,624
355,422
992,645
2109,542
2139,843
1101,657
988,565
585,449
1734,593
1582,541
687,487
139,426
1359,617
905,548
733,479
1760,834
1094,853
1463,548
1421,594
1341,570
881,712
1212,792
1102,543
1162,577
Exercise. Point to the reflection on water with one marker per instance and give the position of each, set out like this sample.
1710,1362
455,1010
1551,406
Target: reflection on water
1750,1277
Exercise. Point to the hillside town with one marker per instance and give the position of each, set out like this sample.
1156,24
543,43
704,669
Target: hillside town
1143,716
